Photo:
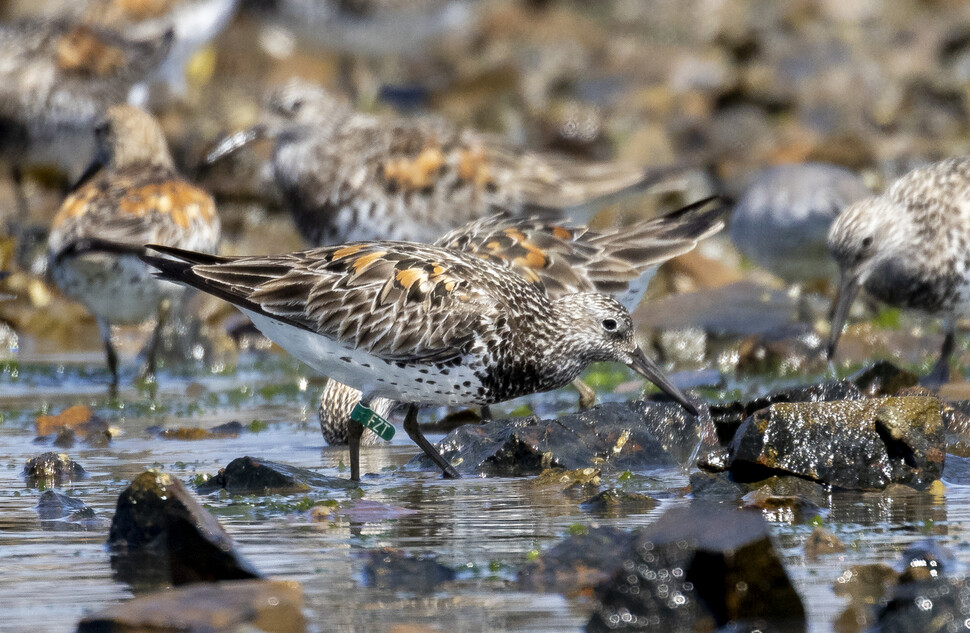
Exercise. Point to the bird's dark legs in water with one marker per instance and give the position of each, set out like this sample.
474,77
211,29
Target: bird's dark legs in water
941,371
411,428
485,412
587,397
354,432
109,351
148,373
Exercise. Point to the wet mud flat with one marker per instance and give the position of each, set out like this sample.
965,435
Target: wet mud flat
531,539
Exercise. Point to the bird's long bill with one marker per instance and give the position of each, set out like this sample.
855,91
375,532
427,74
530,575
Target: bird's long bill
236,141
848,289
641,363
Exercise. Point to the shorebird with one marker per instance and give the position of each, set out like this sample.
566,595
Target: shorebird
419,324
909,248
566,260
57,79
193,23
348,176
132,196
782,220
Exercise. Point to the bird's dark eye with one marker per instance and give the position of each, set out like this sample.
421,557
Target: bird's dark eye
867,242
296,105
609,325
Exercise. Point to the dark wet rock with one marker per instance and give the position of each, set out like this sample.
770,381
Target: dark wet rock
780,508
160,534
53,506
880,379
612,437
64,438
883,379
728,417
615,503
865,585
392,570
705,485
578,563
60,512
860,445
52,469
925,560
956,419
926,597
223,431
930,606
821,542
252,475
273,606
698,568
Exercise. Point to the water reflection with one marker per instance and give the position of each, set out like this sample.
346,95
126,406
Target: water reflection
484,529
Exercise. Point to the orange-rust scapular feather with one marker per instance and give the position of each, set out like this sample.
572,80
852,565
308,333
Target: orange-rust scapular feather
362,262
408,276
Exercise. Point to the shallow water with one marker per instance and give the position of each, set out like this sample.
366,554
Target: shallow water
485,528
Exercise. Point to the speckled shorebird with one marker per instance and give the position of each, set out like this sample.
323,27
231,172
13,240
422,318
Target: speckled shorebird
566,260
419,324
348,176
910,247
193,23
782,219
136,197
57,79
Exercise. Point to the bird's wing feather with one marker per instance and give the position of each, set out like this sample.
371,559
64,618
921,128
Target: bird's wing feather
398,301
135,207
566,259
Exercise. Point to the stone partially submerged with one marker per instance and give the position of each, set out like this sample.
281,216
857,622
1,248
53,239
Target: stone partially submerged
272,606
160,534
577,564
859,444
60,512
696,569
612,437
252,475
876,381
52,469
392,570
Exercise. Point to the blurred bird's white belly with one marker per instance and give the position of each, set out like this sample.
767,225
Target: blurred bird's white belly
118,289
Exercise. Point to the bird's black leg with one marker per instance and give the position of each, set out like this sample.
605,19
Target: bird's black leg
941,371
150,363
109,351
485,412
354,432
411,428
